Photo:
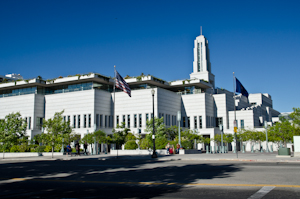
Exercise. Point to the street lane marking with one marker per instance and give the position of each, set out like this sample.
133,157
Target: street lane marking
162,183
262,192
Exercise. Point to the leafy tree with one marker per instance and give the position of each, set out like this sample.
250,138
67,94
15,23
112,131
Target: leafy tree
227,138
295,116
282,131
12,128
100,136
160,136
56,129
188,138
172,132
120,134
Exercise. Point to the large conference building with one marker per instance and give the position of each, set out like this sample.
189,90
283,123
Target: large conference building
88,101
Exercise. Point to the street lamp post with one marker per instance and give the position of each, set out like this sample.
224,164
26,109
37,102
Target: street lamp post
154,155
179,119
266,126
221,129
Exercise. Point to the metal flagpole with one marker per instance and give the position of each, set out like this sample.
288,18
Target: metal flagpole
115,102
114,96
234,122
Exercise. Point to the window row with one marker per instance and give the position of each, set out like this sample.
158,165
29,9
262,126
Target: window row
85,121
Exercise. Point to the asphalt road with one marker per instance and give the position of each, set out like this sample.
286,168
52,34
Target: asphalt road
121,178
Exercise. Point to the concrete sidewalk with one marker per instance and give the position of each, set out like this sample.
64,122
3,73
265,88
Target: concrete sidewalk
246,157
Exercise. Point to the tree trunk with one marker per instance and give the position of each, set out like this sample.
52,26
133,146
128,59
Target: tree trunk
285,144
52,150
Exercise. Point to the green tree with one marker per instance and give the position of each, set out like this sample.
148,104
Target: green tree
188,138
12,128
56,129
160,135
228,138
120,134
295,116
282,131
172,132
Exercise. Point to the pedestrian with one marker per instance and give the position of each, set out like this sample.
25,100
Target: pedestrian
85,147
171,150
177,148
168,148
69,149
77,146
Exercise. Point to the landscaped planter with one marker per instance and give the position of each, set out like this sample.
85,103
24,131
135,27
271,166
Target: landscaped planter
284,151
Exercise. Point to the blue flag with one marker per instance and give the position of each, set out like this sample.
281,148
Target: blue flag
240,88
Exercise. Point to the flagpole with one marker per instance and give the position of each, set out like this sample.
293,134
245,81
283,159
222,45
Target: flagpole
234,122
114,96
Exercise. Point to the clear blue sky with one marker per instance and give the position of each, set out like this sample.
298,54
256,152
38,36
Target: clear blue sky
258,40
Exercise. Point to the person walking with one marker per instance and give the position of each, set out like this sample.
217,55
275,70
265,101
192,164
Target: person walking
177,148
69,149
168,148
85,147
77,146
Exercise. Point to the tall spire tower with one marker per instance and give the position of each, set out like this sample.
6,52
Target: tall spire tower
201,64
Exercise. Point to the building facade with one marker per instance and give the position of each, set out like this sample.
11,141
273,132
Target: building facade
89,104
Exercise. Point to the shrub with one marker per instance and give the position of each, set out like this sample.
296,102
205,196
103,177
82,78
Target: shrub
1,149
22,148
40,149
48,149
14,148
131,145
186,144
144,144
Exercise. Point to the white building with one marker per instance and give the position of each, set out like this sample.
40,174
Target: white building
88,101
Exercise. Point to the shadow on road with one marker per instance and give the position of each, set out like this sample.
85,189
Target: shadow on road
110,178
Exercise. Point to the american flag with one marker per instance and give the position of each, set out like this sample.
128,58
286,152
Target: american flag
122,85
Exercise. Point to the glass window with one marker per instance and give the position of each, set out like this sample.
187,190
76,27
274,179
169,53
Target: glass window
195,122
74,121
26,121
97,120
84,121
135,120
242,124
124,122
200,122
128,121
90,120
78,121
189,122
183,121
101,121
39,123
117,119
140,120
219,121
147,116
29,123
106,121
